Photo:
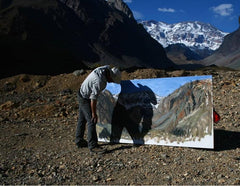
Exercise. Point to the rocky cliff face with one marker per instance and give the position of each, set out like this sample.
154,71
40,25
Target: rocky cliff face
121,6
61,35
228,54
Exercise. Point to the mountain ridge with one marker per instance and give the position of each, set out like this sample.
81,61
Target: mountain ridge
228,54
193,34
51,37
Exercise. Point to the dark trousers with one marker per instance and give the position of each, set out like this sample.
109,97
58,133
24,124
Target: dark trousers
85,116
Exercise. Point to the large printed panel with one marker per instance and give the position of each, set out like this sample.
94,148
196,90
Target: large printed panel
175,111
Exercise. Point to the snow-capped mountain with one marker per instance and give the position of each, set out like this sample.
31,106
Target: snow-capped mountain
195,35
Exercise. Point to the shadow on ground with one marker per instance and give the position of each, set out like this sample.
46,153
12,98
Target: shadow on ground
226,140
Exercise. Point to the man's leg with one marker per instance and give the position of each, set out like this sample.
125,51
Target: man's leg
81,125
86,113
92,134
80,130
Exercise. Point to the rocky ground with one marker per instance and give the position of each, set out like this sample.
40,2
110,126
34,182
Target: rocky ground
38,117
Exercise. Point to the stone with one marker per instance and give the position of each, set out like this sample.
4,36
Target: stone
24,78
236,182
8,105
199,159
9,86
62,167
79,72
100,169
109,179
164,156
96,178
66,92
221,181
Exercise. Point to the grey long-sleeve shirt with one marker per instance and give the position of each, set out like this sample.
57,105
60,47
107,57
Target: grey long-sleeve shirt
95,82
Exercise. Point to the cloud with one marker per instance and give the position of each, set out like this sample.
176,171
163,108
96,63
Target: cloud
127,1
223,9
166,10
137,15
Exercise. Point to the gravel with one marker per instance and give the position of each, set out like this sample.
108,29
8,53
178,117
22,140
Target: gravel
37,128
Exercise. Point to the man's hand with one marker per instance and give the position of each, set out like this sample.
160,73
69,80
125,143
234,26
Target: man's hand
94,118
94,111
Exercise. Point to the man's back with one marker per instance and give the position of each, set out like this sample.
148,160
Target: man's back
94,83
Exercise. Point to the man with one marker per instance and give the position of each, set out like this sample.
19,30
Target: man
87,97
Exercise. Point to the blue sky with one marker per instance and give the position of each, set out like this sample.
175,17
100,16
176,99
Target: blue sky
222,14
160,86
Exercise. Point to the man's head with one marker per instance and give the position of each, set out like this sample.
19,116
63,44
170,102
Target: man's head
114,75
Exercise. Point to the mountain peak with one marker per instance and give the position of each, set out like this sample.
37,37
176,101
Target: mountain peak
193,34
121,6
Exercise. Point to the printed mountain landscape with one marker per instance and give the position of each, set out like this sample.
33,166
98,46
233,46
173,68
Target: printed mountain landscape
184,115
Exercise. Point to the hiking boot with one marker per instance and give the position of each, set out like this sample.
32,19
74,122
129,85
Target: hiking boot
97,150
82,143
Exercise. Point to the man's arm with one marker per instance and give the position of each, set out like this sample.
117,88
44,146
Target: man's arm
94,110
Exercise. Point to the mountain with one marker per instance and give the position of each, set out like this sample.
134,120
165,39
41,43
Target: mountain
181,54
57,36
199,37
228,54
121,6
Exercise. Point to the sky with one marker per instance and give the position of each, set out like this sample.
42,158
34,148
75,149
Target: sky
222,14
160,86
